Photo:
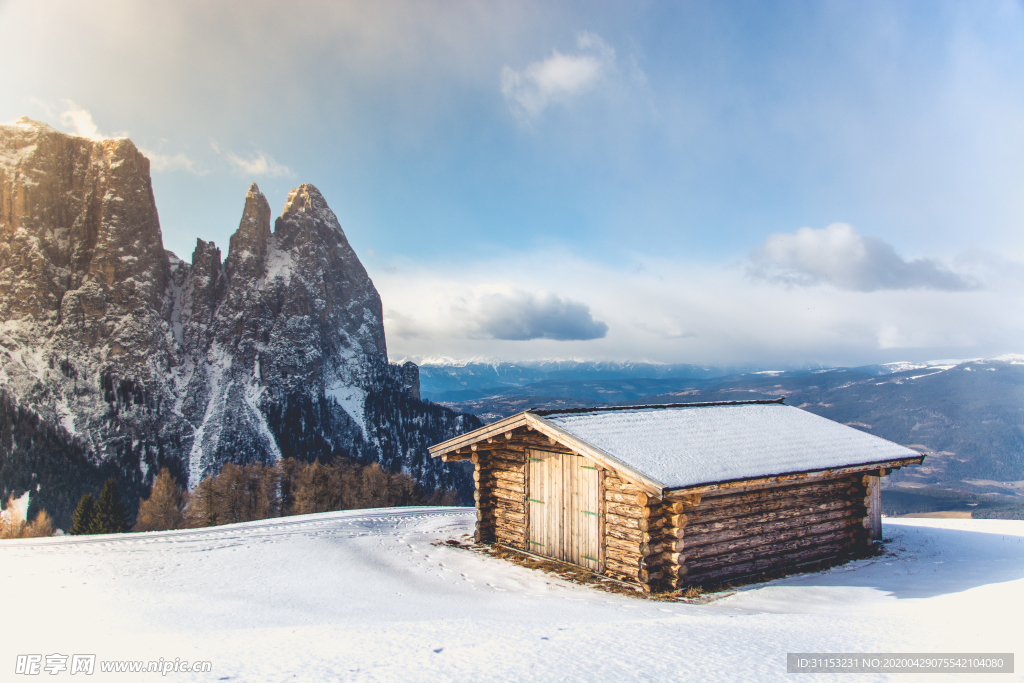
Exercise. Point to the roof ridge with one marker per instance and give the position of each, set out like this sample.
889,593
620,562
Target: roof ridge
607,409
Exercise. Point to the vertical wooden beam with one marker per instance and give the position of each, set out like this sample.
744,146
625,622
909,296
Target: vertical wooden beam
529,494
600,519
874,500
481,503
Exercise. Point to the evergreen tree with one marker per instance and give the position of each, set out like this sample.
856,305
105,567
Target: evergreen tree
84,514
164,508
112,515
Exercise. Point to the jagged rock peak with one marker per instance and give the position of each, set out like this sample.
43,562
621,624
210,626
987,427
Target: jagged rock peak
247,251
26,123
135,360
306,200
75,213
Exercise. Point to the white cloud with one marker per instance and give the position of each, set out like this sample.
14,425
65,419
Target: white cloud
261,164
80,121
684,312
492,311
557,79
175,162
839,256
522,316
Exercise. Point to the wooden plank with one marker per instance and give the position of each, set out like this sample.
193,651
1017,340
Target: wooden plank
614,483
507,457
574,539
507,495
667,545
700,537
827,487
638,573
514,506
626,522
507,424
611,531
593,513
767,542
786,490
620,546
601,537
710,489
668,532
619,497
544,496
787,517
627,510
735,512
518,518
511,526
754,562
504,486
874,511
508,536
507,475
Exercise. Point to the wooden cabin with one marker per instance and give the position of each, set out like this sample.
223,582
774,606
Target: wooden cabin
683,494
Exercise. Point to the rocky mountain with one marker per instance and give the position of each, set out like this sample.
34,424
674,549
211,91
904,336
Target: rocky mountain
117,357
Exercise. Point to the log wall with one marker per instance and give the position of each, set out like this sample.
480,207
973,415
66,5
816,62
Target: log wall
730,536
501,509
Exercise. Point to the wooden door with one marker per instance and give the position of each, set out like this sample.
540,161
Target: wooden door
565,508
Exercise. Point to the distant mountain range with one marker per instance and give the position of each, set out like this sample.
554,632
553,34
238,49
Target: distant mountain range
967,416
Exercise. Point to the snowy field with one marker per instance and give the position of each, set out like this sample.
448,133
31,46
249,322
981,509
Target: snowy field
366,596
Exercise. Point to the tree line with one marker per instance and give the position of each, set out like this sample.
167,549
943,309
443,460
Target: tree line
244,493
14,525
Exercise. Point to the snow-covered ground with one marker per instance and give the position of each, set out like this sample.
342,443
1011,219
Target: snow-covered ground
366,596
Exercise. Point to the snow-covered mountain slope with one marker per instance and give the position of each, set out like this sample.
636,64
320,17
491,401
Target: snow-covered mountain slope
136,360
370,596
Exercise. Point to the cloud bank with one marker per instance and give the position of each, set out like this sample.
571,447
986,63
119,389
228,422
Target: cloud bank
492,312
839,256
522,316
557,79
672,311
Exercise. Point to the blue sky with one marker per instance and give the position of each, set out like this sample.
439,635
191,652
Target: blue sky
768,183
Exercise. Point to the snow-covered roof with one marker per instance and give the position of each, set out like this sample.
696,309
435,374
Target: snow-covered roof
684,446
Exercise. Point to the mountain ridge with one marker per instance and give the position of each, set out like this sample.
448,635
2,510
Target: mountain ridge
966,416
145,361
